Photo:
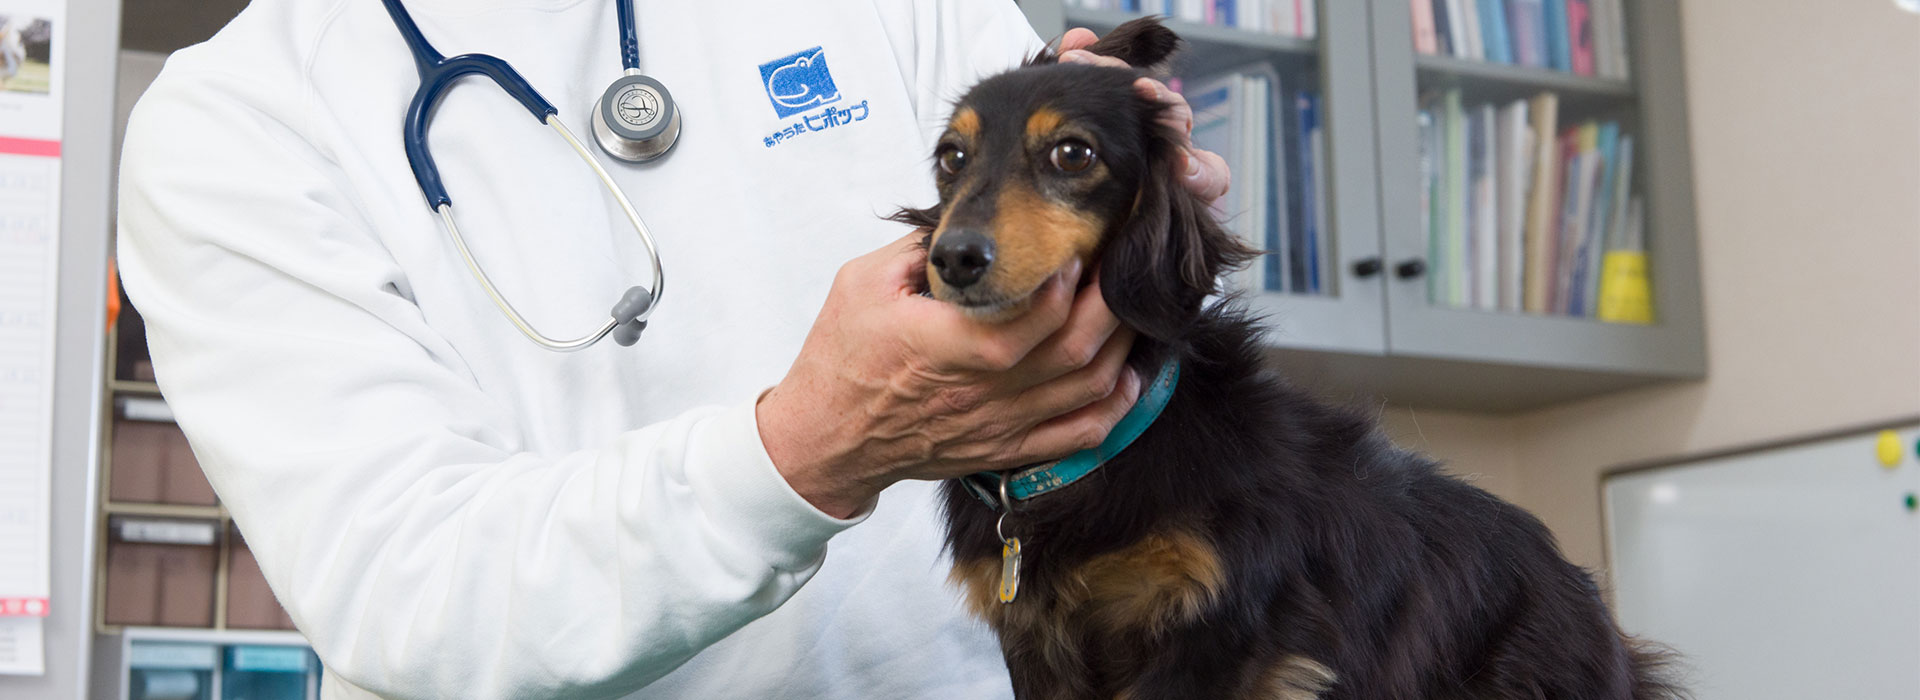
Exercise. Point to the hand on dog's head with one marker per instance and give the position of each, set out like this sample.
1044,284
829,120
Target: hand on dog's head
1053,162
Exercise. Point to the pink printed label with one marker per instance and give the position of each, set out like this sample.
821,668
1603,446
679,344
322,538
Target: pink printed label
23,607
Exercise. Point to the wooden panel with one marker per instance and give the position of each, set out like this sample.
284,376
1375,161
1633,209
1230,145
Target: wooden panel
152,463
160,584
250,604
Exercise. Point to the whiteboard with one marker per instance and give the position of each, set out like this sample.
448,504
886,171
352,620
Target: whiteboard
1783,574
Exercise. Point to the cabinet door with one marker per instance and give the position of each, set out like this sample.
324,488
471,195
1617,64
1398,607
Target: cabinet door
1320,287
1465,284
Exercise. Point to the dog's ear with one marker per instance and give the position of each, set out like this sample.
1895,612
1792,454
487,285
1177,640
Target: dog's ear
1144,43
1166,258
928,218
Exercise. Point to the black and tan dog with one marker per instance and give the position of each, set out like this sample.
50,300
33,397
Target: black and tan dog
1252,543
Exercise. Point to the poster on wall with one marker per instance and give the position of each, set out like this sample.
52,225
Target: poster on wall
30,111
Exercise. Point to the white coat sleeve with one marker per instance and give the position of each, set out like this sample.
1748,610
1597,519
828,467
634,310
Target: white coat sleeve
419,551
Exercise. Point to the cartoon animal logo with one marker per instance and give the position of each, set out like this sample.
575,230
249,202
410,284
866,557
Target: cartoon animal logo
799,82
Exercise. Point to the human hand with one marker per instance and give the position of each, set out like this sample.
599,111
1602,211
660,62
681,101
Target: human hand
1206,172
891,385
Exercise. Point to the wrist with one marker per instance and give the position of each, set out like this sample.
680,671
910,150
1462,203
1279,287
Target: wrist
801,446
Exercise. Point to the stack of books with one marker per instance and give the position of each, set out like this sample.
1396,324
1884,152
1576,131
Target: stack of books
1519,213
1274,144
1585,37
1296,18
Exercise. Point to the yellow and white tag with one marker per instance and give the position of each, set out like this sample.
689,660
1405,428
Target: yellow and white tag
1009,569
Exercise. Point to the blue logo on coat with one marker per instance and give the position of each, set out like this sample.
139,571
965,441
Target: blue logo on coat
799,82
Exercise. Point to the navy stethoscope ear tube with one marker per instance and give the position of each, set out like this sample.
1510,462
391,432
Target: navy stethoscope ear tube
438,73
629,35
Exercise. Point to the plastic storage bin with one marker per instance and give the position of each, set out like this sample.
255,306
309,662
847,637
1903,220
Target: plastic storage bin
171,671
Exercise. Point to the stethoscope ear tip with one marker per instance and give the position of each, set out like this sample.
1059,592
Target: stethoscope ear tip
628,313
626,334
633,305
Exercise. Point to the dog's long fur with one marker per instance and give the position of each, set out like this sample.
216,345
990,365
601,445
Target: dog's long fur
1253,543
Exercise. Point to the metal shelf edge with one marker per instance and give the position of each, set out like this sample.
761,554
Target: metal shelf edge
1430,67
1198,33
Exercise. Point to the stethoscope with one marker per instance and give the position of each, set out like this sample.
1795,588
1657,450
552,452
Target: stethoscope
634,120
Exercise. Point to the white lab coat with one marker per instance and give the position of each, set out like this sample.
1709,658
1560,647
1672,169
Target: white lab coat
446,509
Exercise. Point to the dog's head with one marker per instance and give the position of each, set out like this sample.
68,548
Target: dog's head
1054,162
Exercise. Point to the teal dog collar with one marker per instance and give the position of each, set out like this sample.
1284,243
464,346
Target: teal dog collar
1028,482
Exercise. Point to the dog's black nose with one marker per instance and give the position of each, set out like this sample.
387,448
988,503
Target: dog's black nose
962,257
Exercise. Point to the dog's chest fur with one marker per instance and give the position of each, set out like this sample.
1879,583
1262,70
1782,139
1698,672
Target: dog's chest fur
1128,565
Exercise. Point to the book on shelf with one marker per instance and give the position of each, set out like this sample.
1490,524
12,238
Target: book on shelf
1425,39
1497,45
1275,146
1442,26
1470,28
1559,46
1545,111
1528,21
1521,214
1309,158
1583,37
1295,18
1484,247
1580,35
1514,173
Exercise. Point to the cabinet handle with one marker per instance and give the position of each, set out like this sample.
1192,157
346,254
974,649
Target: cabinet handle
1366,267
1410,269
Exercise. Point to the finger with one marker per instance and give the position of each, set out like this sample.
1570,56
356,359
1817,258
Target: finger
1077,38
1083,429
1089,326
1206,175
1178,116
1081,387
1092,59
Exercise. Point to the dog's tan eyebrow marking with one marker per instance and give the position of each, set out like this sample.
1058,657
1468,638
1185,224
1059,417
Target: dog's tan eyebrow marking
967,122
1043,122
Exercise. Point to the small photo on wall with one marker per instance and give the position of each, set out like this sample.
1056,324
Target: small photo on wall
26,54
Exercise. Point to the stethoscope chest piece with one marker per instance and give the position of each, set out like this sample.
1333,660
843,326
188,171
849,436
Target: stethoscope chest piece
635,120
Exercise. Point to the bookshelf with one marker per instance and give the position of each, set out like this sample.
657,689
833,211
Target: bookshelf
186,566
1375,331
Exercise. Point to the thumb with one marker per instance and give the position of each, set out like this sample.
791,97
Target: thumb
1077,38
904,263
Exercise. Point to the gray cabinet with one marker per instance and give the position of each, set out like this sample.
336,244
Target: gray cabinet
1375,333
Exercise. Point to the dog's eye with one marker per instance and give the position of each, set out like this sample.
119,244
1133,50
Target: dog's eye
1072,156
951,159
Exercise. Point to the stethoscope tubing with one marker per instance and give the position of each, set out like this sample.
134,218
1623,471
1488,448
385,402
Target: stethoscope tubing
629,35
437,74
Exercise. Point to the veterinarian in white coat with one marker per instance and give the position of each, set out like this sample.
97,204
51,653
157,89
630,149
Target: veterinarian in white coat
448,510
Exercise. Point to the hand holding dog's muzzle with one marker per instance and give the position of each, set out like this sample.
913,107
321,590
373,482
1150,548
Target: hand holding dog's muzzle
891,385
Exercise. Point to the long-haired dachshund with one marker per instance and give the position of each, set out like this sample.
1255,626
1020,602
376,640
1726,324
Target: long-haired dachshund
1251,543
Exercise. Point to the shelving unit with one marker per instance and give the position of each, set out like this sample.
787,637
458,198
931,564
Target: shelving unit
226,545
207,664
1376,334
1335,62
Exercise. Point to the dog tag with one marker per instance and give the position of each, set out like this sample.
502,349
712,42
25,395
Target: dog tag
1009,570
